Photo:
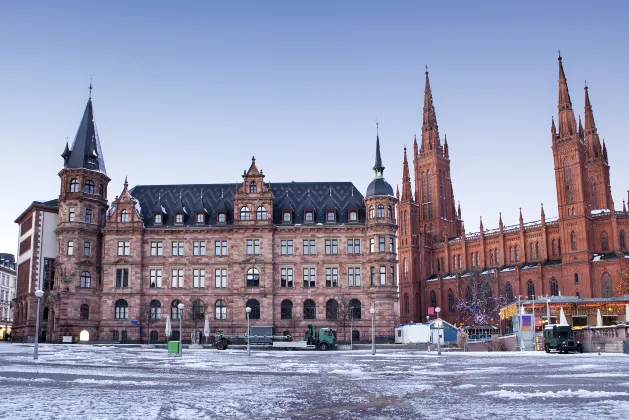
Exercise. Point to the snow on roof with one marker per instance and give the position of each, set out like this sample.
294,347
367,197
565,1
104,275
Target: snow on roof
598,257
450,276
507,269
599,211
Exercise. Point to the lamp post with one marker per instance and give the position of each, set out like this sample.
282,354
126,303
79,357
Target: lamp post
39,294
372,311
548,311
351,327
248,311
180,306
437,310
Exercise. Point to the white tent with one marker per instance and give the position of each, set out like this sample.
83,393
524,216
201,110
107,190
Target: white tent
562,317
169,329
206,328
599,318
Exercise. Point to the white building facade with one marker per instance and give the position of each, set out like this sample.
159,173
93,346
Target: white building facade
7,293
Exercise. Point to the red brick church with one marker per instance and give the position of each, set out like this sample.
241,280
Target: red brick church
580,253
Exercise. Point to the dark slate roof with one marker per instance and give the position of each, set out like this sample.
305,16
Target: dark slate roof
294,196
49,203
379,187
10,258
86,143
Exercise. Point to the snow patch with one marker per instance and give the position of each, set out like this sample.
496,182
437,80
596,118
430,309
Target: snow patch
581,393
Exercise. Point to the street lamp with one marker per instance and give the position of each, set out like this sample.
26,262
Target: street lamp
437,310
248,311
548,311
180,306
372,311
351,327
39,294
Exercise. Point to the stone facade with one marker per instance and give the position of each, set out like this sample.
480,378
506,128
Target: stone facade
7,293
581,252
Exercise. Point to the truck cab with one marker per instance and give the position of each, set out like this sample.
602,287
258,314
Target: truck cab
561,338
325,339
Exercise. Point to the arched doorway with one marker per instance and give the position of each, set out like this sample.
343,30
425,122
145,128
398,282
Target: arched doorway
84,336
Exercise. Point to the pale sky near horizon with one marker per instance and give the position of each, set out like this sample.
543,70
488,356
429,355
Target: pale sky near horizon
188,92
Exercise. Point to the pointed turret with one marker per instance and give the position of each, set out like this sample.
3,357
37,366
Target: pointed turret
567,122
86,151
446,153
624,207
604,151
66,153
397,191
591,136
415,151
553,129
481,224
379,186
459,209
406,180
521,220
430,129
543,215
500,225
589,115
580,128
378,168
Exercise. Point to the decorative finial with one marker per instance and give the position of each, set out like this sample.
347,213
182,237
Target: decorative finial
253,159
586,85
126,182
426,68
90,87
559,52
377,130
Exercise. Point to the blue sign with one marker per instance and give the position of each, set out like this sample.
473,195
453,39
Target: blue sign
135,322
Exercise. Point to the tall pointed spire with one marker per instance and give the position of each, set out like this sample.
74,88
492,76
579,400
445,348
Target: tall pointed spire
378,168
446,152
589,116
500,225
430,129
379,186
406,180
567,122
459,209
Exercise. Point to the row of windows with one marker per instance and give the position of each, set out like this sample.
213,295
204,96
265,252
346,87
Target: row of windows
378,212
377,276
88,216
332,310
88,186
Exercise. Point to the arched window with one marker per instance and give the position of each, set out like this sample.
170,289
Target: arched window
497,256
578,295
74,185
623,243
510,254
532,253
175,313
433,299
454,262
86,279
477,260
460,265
220,309
491,257
380,212
405,269
573,240
606,283
593,194
253,277
245,213
555,250
530,290
390,212
355,309
155,309
198,309
450,300
604,242
261,213
331,310
253,187
407,304
487,296
537,250
124,216
122,309
472,257
567,177
154,338
508,292
310,309
84,311
554,287
89,187
371,212
438,265
255,309
286,309
576,278
416,304
517,253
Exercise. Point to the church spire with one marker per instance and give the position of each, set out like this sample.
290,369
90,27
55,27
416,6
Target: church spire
406,180
567,122
378,167
446,153
589,116
430,129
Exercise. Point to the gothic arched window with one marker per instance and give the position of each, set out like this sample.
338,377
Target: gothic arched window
433,299
491,257
567,179
450,300
511,254
508,292
623,243
606,283
554,287
593,194
604,242
537,250
407,309
573,240
555,247
530,290
517,253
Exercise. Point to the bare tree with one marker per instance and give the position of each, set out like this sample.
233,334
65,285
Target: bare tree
196,313
147,316
343,316
477,302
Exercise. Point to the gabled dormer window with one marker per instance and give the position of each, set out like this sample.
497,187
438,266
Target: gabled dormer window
200,218
253,187
353,215
221,217
330,215
309,216
124,216
179,218
287,216
91,160
157,219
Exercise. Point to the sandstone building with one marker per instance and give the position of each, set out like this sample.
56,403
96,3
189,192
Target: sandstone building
579,253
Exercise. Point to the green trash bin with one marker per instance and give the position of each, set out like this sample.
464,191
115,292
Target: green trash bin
173,347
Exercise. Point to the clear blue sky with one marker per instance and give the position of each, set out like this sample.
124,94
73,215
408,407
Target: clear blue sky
187,93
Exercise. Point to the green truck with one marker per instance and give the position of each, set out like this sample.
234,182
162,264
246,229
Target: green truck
319,339
561,338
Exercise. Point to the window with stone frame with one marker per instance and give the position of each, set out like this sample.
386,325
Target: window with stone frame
220,248
309,277
245,213
331,310
175,312
221,217
84,311
253,187
198,248
309,247
176,277
310,309
220,309
353,276
122,277
604,242
380,211
220,277
255,309
331,277
573,240
331,246
124,216
179,218
330,216
88,216
353,246
286,277
155,277
177,248
253,277
309,216
383,275
198,277
286,309
87,249
372,212
124,248
381,244
86,279
353,216
253,246
74,185
200,218
287,216
372,276
70,248
261,213
286,247
157,219
89,187
121,309
157,248
372,245
71,214
155,308
392,275
391,245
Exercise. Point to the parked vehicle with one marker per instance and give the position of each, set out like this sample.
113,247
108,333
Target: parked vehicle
561,338
321,339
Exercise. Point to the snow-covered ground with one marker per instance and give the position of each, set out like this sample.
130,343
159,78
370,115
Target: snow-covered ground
72,382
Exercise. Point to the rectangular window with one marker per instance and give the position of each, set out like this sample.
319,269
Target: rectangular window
157,248
71,214
198,248
309,247
286,277
331,246
200,218
372,245
70,248
309,277
287,247
331,277
86,249
177,248
122,277
220,277
372,276
198,277
392,275
391,245
353,246
88,215
381,246
353,276
177,278
220,248
253,246
383,275
25,245
124,248
155,275
157,219
178,218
